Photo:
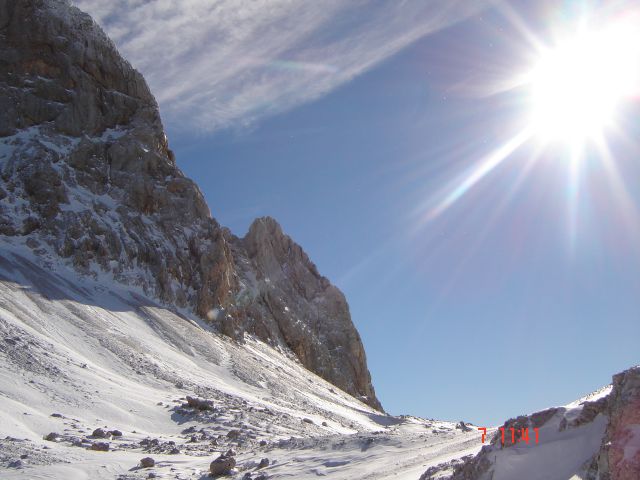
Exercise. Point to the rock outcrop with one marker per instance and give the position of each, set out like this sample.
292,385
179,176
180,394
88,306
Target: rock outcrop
87,176
619,454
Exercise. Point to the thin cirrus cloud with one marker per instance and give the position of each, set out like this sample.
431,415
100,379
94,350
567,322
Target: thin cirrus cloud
227,63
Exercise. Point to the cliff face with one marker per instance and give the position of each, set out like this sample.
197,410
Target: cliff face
87,178
619,454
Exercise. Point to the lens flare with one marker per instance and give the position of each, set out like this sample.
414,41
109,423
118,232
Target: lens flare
577,86
572,93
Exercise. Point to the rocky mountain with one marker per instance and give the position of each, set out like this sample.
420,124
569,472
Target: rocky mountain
141,339
87,178
98,380
594,438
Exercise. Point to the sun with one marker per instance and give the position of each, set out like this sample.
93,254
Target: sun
577,94
577,86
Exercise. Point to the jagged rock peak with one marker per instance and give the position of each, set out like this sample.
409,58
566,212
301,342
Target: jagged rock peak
87,178
265,242
304,311
265,224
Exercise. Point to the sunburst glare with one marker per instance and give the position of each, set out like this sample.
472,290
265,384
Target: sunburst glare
578,84
570,99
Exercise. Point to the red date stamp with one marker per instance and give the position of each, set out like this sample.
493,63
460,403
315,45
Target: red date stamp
517,435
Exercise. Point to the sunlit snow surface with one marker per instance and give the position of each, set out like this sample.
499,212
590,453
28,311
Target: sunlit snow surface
103,355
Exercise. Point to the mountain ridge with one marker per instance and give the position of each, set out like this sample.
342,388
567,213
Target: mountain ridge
87,175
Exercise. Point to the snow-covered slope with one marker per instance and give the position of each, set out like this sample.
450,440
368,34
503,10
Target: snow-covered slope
102,355
594,438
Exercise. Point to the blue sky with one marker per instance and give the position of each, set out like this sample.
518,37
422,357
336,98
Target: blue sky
524,293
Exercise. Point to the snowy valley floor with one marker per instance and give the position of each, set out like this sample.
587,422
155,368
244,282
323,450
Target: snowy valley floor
99,355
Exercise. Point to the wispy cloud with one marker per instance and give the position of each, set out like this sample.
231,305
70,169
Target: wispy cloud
215,64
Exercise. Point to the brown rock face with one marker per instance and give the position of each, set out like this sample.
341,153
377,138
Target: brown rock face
290,303
86,175
619,455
